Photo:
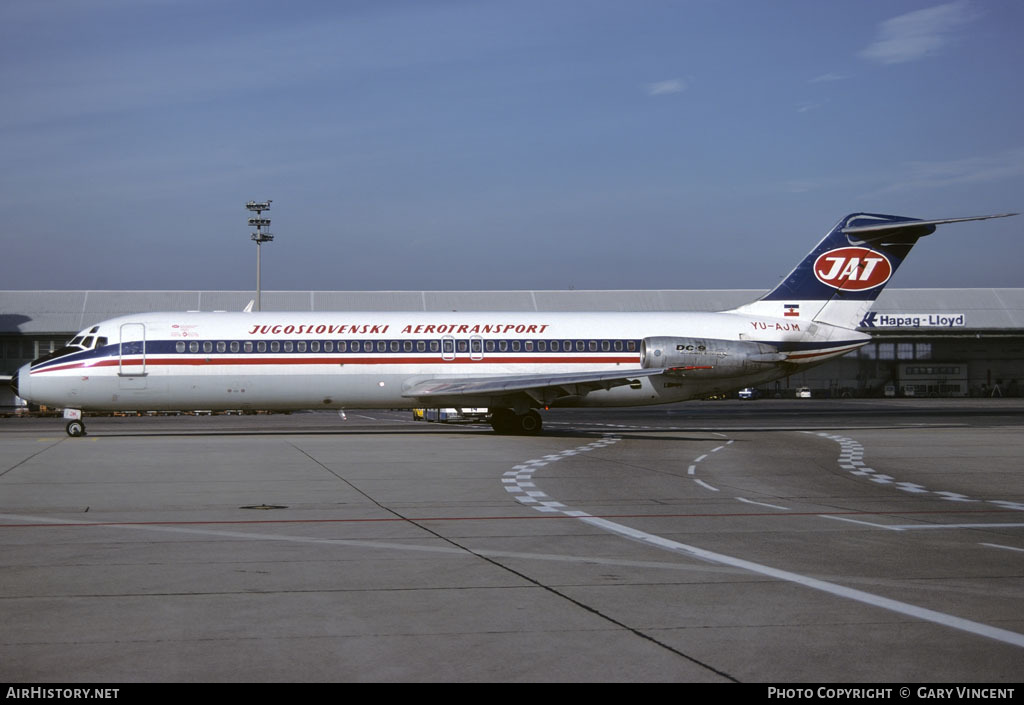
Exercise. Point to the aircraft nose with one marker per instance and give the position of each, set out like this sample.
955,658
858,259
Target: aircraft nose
19,382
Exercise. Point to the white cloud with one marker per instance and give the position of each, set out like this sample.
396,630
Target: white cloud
970,170
917,34
674,85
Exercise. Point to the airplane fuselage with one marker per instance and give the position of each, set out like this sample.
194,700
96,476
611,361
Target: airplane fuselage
371,359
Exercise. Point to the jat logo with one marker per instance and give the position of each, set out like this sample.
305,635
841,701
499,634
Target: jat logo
852,268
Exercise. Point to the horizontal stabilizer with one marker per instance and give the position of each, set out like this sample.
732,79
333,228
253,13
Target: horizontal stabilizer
888,227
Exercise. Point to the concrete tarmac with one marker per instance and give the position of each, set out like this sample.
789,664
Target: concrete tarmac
766,541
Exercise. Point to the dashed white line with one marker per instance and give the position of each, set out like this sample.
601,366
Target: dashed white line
914,527
1007,548
872,524
761,504
911,527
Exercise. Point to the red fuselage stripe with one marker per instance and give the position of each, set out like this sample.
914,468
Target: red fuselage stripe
198,361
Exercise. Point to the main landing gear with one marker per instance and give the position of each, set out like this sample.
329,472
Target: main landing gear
508,421
75,429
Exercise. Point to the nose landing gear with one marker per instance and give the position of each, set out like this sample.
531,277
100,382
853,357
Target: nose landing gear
75,426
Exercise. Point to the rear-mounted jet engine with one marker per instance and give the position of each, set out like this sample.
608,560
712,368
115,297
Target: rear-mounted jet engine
707,357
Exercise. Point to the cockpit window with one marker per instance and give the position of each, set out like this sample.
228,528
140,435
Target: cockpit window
77,340
60,352
87,343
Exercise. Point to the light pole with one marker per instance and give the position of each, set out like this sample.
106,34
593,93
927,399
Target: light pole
259,237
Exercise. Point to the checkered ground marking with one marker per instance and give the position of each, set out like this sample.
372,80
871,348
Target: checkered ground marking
851,459
519,480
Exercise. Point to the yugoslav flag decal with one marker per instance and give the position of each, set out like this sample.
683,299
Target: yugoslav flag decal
852,268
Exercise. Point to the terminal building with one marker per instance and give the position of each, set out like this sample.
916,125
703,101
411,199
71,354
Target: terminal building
925,342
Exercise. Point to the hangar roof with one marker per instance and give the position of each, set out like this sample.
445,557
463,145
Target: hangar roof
69,311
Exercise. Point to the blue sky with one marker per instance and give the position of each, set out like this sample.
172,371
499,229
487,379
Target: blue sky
501,145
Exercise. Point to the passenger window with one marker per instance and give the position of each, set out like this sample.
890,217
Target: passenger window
477,345
193,346
179,346
489,346
329,346
221,346
247,346
288,346
354,346
503,345
394,346
515,346
234,346
421,346
567,345
463,346
554,346
592,346
314,346
207,346
301,346
618,346
407,346
606,346
275,346
528,345
434,346
261,346
631,345
382,346
542,345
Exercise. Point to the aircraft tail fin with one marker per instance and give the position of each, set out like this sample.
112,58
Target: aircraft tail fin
839,280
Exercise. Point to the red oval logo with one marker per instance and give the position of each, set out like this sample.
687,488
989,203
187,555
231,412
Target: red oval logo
852,268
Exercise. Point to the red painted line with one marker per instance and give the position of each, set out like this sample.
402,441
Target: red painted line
726,515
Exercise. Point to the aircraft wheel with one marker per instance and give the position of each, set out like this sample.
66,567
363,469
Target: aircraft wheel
530,423
75,429
503,421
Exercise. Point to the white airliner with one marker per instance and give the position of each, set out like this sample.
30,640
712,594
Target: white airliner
513,363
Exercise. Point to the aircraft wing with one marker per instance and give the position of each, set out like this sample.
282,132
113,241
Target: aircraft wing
541,388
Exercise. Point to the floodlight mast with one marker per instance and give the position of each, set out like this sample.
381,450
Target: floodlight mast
259,237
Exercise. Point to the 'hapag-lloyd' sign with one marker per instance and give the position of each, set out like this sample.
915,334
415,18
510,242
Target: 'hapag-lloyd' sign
914,320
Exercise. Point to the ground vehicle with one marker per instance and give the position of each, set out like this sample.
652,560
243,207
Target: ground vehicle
749,393
451,414
803,393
